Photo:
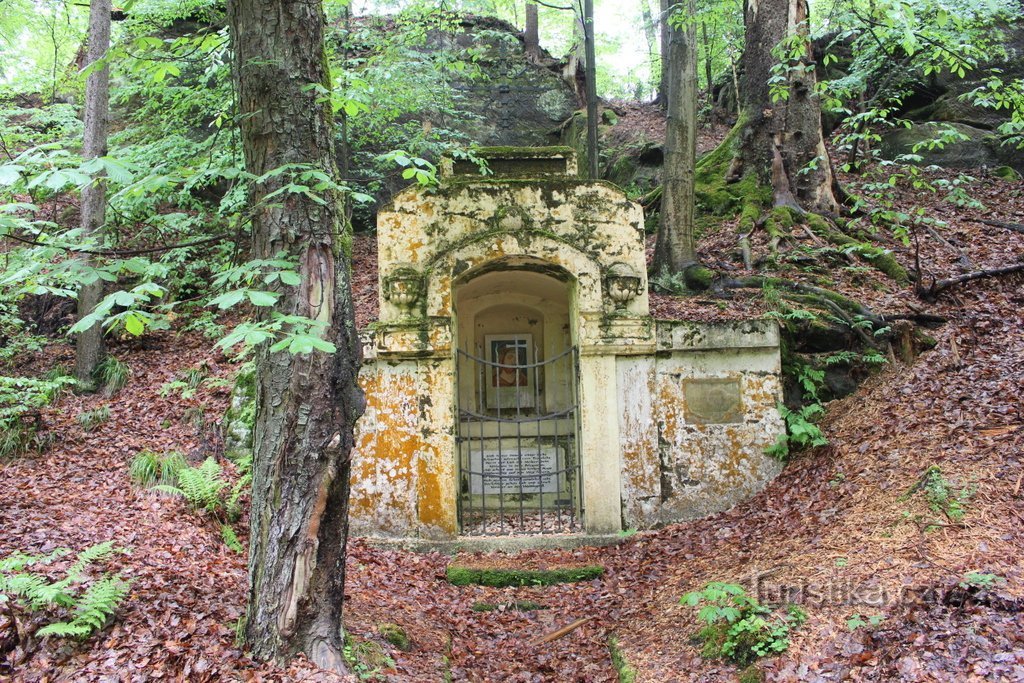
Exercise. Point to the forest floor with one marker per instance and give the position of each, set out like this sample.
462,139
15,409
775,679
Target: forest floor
839,531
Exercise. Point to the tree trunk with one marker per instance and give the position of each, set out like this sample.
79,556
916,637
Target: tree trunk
306,403
593,154
531,35
708,68
663,85
89,344
651,34
781,139
674,249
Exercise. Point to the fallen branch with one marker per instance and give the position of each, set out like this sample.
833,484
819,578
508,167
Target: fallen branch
939,286
1016,227
564,631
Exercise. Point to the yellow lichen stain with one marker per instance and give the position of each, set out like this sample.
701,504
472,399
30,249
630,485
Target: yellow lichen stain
434,509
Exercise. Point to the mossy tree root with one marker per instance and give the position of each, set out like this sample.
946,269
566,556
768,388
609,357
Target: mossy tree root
848,309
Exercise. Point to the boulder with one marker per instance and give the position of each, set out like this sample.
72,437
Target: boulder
981,148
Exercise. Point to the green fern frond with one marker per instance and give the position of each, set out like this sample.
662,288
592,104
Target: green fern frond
227,533
94,553
97,604
18,561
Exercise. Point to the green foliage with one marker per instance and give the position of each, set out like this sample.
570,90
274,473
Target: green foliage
738,628
941,495
396,635
627,674
112,375
20,400
500,578
857,621
981,581
91,419
205,488
75,606
366,658
230,538
149,468
668,282
801,431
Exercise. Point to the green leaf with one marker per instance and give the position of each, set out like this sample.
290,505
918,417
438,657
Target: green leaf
133,325
259,298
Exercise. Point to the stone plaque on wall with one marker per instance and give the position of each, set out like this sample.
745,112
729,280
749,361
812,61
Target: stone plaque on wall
713,401
535,468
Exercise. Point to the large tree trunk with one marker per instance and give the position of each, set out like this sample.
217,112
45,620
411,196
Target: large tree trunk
780,139
89,344
306,404
674,249
531,34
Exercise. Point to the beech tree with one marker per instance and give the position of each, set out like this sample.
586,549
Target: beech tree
781,139
306,402
675,249
89,342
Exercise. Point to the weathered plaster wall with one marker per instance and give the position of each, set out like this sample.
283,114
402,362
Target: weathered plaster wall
403,467
695,419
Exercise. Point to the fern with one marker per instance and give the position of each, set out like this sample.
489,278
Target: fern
230,538
93,609
200,486
90,607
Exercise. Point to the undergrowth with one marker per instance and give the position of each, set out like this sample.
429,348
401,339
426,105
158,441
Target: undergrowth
737,627
75,606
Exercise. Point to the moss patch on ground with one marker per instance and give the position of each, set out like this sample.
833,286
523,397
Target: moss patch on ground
501,578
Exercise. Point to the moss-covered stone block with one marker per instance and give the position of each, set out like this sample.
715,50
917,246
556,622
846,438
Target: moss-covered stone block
502,578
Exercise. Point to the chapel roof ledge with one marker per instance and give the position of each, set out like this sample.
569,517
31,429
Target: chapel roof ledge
513,162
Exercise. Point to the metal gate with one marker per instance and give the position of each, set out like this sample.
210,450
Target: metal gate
519,468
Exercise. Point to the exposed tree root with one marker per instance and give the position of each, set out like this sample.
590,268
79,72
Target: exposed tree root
938,286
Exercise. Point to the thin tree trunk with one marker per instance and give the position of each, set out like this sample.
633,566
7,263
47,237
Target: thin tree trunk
89,344
708,68
593,157
306,404
651,34
531,35
783,142
674,249
663,84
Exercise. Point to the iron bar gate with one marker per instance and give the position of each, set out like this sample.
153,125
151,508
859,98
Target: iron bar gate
519,468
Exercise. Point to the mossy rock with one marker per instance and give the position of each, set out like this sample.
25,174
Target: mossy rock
1007,173
501,578
396,635
240,417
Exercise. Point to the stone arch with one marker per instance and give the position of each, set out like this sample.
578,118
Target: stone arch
521,250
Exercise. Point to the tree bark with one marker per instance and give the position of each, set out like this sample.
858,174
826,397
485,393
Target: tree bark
782,142
593,154
89,344
306,404
663,85
674,249
651,34
531,34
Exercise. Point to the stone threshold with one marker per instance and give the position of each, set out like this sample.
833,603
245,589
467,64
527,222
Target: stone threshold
486,544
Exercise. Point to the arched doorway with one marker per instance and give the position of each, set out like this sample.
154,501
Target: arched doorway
517,400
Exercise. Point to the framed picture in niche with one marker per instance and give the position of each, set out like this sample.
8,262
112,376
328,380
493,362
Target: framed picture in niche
510,385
